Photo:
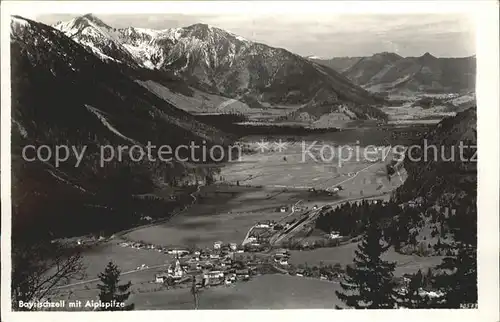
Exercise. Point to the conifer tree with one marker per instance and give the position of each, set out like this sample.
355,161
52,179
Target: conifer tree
111,291
368,284
459,280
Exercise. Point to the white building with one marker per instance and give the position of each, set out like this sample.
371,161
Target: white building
178,251
217,245
252,239
178,271
334,235
160,278
214,274
213,277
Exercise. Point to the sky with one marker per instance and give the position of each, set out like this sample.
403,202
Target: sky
327,35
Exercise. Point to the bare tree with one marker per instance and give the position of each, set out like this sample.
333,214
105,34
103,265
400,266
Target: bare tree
38,270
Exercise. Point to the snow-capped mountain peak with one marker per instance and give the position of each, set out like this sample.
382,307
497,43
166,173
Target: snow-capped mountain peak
17,24
90,17
97,36
79,24
215,59
150,48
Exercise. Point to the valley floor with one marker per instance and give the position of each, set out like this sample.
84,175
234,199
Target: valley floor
254,190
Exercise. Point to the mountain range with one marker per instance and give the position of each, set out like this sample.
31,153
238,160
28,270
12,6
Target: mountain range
389,72
219,62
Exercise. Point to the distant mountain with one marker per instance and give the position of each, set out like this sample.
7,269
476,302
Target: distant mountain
367,69
64,95
389,72
339,64
220,62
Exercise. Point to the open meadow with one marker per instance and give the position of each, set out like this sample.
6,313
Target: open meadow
344,255
223,213
126,258
261,292
360,170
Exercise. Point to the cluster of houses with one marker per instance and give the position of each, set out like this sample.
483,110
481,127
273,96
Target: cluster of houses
294,207
281,257
81,241
209,267
260,236
257,242
158,248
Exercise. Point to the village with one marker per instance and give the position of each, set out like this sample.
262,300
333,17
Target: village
228,263
266,249
224,264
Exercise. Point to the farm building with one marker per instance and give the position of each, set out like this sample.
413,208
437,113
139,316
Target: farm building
217,245
262,225
213,278
243,274
334,235
252,239
161,278
179,252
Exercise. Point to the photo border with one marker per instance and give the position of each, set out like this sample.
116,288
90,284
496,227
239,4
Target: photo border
485,14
